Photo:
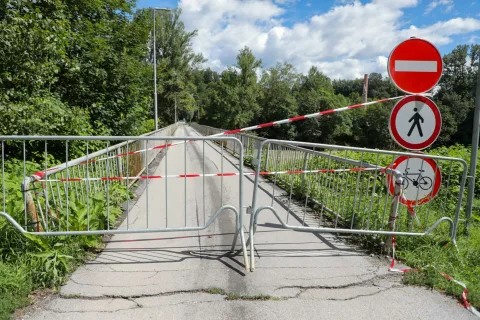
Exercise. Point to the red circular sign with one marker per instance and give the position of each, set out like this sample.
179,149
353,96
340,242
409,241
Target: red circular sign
415,122
421,179
415,66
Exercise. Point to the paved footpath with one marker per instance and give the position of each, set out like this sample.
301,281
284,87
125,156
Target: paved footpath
175,275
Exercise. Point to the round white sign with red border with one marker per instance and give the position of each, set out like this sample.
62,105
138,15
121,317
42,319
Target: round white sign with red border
415,122
415,66
421,179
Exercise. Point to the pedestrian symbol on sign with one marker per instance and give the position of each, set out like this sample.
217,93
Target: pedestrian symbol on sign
416,122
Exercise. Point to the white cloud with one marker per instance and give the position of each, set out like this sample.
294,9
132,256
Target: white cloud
347,41
447,4
285,1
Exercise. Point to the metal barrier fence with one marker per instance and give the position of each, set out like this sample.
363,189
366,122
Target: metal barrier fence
83,196
349,193
250,143
294,156
108,160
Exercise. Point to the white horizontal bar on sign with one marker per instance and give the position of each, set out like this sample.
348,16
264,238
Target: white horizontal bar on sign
415,66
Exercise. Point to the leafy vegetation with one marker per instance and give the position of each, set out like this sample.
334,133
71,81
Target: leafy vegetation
281,92
85,68
29,262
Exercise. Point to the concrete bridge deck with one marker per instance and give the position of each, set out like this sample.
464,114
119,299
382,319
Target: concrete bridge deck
192,275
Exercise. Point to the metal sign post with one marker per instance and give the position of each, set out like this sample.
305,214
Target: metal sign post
474,154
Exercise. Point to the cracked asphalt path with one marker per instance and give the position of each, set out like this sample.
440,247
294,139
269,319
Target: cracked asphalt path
167,275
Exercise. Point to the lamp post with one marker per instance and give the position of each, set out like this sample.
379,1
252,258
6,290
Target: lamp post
155,64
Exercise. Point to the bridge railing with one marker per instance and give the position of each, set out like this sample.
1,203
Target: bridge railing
340,189
53,189
90,195
251,143
354,199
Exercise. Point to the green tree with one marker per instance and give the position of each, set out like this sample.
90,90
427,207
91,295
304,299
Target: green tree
249,90
232,102
456,96
277,101
315,93
202,80
88,55
222,107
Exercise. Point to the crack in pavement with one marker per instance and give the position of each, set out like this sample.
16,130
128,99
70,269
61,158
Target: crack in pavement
205,292
143,295
370,281
137,306
364,295
101,311
153,275
303,289
136,302
332,277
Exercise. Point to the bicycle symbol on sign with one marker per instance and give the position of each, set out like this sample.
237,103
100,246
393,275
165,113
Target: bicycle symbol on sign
419,181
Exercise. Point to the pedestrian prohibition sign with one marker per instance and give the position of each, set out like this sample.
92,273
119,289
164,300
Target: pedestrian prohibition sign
415,66
415,122
421,179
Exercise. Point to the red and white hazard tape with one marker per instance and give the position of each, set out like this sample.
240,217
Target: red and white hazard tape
258,126
308,116
465,302
198,175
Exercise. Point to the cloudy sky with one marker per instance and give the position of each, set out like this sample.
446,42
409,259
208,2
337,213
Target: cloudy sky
343,38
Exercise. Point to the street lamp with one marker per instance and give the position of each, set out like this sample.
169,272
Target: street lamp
155,64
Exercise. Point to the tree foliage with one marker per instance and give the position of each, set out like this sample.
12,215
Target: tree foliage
86,68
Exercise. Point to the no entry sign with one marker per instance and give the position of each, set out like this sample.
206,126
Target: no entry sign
421,179
415,122
415,66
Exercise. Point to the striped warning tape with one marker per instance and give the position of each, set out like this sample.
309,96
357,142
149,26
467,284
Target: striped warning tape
465,302
197,175
258,126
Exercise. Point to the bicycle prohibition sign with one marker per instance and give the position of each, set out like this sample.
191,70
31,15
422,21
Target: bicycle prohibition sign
421,179
418,180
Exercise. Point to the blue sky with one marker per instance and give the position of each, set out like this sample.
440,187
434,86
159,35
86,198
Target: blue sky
343,38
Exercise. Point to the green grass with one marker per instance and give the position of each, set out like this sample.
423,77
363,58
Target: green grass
462,264
15,285
216,291
258,297
229,296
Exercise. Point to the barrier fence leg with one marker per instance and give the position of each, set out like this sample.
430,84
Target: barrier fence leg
305,162
393,212
250,240
266,157
235,237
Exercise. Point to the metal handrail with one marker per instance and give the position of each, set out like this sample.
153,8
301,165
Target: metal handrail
28,180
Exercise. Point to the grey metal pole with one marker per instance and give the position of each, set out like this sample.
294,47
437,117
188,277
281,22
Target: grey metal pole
474,154
175,107
155,69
